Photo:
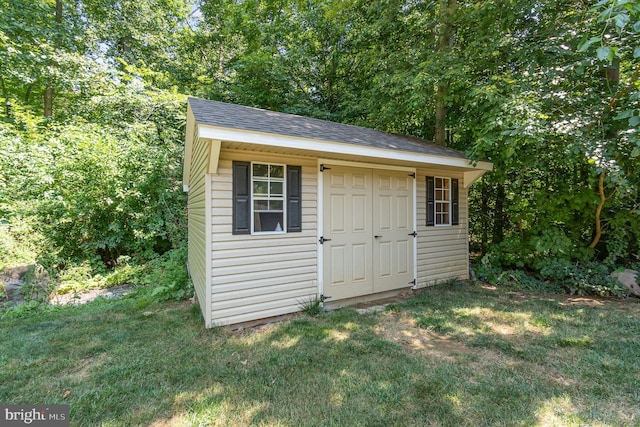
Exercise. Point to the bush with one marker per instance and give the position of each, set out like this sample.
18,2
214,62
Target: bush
168,278
88,190
581,278
514,279
77,278
587,278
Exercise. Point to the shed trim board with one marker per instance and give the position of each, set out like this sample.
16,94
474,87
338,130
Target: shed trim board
285,141
209,244
370,176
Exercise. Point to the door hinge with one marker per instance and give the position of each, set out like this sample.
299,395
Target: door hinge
413,175
414,234
324,297
323,168
322,240
413,283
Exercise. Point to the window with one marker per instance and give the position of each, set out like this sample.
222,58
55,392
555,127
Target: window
266,198
267,183
442,201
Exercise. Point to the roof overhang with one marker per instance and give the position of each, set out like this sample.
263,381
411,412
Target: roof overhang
472,171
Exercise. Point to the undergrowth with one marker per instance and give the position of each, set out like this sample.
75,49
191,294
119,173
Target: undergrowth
163,278
555,276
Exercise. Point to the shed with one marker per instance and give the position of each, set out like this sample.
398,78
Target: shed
283,209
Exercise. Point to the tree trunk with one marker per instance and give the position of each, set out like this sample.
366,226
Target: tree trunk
27,94
445,41
484,207
48,92
603,199
499,219
441,114
5,95
48,102
612,74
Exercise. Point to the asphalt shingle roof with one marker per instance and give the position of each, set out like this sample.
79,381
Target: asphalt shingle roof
221,114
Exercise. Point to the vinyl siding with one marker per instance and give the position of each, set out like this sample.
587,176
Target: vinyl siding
443,251
197,217
259,276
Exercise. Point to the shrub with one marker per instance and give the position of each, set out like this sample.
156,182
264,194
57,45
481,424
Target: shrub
514,279
167,276
586,278
77,278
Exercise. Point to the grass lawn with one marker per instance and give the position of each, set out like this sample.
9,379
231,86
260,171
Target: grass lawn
454,355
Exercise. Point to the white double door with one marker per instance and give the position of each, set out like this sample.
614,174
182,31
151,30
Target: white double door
368,220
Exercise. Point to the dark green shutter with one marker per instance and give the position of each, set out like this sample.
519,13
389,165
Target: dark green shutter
431,196
294,198
241,210
454,202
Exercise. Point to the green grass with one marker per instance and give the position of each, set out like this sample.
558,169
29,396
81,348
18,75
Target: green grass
454,355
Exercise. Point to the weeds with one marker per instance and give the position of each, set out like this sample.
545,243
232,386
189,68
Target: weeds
311,305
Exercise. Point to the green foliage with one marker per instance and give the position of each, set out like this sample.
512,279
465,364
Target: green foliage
37,285
18,242
583,278
546,90
98,190
167,277
23,310
126,273
311,305
515,279
76,278
555,275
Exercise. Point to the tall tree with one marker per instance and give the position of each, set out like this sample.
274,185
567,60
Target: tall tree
48,91
445,41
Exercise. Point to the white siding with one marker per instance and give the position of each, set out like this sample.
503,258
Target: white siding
197,208
259,276
443,251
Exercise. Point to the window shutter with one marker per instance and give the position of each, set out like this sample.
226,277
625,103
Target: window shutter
294,198
431,195
454,202
241,211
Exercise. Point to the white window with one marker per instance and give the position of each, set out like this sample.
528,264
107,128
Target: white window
268,198
443,201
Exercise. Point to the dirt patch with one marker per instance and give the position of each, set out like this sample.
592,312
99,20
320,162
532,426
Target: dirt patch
402,330
90,295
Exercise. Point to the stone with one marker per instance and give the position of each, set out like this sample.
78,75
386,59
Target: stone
18,272
629,279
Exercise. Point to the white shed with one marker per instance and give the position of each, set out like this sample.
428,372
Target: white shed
284,208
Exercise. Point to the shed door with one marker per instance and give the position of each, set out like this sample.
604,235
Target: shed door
368,218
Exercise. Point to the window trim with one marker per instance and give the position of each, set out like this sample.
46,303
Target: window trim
437,202
453,202
283,225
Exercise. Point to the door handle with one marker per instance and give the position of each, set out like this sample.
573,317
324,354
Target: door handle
377,237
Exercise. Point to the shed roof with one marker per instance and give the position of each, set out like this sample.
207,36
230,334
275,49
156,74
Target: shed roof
239,127
221,114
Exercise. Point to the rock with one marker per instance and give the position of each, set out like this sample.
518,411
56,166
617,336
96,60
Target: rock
629,279
30,282
17,273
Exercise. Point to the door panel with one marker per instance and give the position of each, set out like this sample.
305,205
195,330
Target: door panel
348,255
368,215
393,223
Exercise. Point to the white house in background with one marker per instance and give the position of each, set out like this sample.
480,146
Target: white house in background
284,208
